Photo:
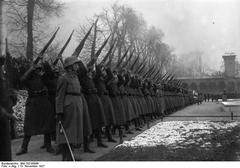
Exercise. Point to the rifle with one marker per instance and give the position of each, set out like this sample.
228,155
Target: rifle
128,60
101,48
40,56
150,74
140,71
94,41
62,50
120,61
108,53
156,75
137,58
81,44
110,58
140,65
149,71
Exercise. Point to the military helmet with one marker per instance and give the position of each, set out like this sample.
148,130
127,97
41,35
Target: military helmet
70,61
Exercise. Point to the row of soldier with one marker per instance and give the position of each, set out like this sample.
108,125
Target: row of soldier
103,98
73,105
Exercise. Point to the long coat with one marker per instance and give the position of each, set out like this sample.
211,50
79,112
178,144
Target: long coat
87,124
129,112
5,140
95,106
106,101
39,115
117,103
69,103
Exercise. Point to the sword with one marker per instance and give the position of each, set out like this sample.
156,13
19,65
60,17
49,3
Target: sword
65,135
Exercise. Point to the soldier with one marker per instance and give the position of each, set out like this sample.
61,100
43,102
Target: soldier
95,106
87,125
69,109
5,116
106,101
112,87
50,80
39,116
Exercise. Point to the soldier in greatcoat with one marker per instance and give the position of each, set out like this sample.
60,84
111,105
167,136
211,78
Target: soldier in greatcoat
87,124
5,117
39,116
50,80
106,101
69,109
95,106
118,106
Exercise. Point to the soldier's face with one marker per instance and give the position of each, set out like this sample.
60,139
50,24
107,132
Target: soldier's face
75,67
104,73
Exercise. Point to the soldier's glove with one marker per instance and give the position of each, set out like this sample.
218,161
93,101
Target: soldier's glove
59,117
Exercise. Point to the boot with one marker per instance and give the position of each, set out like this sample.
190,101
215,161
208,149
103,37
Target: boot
148,124
86,145
109,136
44,143
57,151
47,138
24,147
66,154
99,140
120,136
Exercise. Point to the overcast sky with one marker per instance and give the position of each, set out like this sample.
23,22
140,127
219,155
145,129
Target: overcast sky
211,26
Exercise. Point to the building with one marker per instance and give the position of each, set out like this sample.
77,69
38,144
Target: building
229,81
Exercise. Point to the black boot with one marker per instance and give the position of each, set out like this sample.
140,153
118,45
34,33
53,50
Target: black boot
86,145
99,140
24,147
109,136
47,138
66,154
120,136
44,143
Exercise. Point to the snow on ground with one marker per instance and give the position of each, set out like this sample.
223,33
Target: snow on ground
177,134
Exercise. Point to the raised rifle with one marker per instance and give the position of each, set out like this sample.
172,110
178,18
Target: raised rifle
59,57
40,55
128,60
108,53
120,61
81,44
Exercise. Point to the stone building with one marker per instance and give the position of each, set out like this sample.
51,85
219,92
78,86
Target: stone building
229,81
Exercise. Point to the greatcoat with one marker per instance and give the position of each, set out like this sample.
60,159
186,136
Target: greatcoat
69,104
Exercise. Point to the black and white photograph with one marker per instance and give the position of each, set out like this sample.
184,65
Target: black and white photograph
119,81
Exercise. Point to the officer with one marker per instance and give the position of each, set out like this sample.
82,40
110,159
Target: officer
69,109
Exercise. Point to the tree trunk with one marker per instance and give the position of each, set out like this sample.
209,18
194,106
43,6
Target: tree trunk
1,25
30,13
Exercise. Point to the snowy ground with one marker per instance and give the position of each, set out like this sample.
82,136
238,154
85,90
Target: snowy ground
174,138
178,134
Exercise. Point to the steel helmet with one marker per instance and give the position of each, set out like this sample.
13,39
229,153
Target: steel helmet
70,61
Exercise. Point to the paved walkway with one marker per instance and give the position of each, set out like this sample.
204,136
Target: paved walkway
205,109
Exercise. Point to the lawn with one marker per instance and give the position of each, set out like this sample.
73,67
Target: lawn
181,141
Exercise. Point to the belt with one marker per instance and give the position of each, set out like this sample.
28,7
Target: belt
73,94
37,93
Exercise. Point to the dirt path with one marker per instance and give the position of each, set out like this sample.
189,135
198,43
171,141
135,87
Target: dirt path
37,154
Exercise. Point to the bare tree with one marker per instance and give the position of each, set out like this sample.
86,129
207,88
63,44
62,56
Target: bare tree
30,13
27,22
1,20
